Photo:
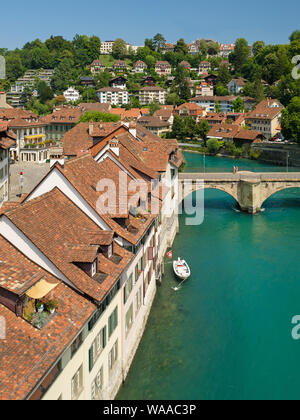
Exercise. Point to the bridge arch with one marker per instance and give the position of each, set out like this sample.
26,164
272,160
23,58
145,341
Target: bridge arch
276,190
229,191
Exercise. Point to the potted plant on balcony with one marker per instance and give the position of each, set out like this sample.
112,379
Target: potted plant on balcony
39,320
52,306
40,307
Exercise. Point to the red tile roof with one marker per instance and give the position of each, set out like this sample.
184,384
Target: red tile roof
54,209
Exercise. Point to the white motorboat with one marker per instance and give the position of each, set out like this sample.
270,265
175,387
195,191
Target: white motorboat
181,269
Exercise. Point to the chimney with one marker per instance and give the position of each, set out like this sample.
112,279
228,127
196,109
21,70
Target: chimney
91,128
114,146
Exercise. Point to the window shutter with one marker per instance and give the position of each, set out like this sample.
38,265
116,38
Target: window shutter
109,360
116,317
150,253
104,337
93,391
91,358
110,325
98,342
136,273
99,379
142,263
125,293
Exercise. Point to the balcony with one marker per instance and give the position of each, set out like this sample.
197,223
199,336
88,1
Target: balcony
38,308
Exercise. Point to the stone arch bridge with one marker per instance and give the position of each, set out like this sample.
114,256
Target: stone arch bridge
249,189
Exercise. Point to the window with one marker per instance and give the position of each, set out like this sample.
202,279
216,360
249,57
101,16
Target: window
94,268
138,301
113,356
137,274
77,384
76,344
96,348
97,385
110,251
113,322
129,320
128,288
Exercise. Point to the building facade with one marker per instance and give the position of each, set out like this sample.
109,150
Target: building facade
163,68
114,96
151,94
71,95
101,273
106,47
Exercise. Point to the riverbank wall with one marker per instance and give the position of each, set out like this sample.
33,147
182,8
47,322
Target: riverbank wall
273,153
279,154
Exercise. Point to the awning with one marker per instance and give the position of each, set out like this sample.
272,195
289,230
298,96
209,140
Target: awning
35,136
41,289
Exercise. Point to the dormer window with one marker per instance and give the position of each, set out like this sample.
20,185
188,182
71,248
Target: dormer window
110,251
94,268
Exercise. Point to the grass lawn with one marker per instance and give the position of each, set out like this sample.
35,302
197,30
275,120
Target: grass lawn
108,60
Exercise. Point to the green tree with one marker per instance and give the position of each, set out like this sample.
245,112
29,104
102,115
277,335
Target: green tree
181,47
180,84
149,44
257,47
221,90
291,120
44,91
178,128
203,47
173,99
158,42
238,105
96,116
241,54
213,145
63,76
102,79
224,76
295,36
14,67
154,106
217,107
190,127
212,48
202,130
119,50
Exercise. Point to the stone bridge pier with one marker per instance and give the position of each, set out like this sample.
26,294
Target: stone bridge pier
249,189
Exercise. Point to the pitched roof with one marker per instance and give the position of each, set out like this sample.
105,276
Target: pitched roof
63,115
79,139
266,110
7,137
54,209
17,272
153,121
233,131
84,174
27,353
94,106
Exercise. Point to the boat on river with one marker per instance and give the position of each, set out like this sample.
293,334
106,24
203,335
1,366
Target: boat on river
181,269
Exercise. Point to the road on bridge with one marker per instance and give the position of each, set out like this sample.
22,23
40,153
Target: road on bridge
227,176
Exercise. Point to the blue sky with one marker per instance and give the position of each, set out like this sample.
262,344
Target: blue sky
134,20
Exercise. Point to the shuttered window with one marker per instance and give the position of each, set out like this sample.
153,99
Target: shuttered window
113,322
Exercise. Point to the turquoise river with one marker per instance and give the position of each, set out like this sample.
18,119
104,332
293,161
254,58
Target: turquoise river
226,334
